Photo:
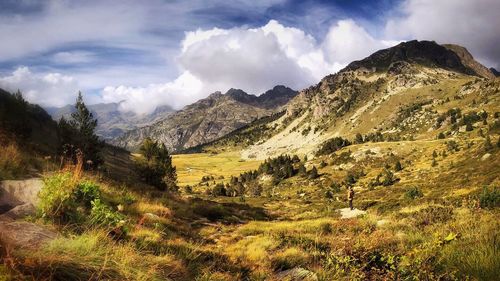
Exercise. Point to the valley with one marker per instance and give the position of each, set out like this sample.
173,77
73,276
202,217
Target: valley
255,188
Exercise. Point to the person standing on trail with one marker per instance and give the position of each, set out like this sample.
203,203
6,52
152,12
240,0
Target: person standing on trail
350,196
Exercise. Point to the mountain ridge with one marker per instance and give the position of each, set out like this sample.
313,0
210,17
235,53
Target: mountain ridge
209,118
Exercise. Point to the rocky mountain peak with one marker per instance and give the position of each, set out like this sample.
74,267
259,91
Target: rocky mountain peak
426,53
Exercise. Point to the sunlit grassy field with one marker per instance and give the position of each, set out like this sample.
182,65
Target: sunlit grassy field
192,167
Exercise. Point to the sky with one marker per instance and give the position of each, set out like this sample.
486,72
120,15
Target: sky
149,53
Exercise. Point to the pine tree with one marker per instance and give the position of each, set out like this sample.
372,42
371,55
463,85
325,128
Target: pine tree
84,124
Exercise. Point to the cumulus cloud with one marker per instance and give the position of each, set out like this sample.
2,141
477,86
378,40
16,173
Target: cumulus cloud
472,24
183,90
253,59
48,89
346,41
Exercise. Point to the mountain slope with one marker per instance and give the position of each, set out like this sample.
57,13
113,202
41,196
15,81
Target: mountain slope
406,92
209,118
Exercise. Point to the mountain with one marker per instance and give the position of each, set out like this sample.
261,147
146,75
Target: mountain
26,124
112,121
409,91
209,118
494,71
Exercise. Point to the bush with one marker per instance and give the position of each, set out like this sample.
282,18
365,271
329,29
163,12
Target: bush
413,193
65,201
433,214
57,200
102,215
332,145
490,198
219,190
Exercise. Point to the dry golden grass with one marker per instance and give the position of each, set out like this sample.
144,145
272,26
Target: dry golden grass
192,167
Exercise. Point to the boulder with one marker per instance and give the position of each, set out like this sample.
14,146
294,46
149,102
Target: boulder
19,212
24,235
18,192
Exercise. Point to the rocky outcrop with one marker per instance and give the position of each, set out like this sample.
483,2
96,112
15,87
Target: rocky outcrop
426,53
469,61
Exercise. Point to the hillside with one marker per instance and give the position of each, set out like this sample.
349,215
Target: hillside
113,122
401,93
208,119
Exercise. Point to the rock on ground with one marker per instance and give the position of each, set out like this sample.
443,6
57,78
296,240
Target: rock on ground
347,213
18,192
24,235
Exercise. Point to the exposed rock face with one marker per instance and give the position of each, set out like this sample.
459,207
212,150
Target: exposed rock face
469,61
391,92
208,119
426,53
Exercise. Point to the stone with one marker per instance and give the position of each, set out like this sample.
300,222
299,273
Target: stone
19,212
24,235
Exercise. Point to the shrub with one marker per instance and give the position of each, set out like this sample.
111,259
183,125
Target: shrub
433,214
332,145
102,215
413,193
219,190
86,192
57,198
490,198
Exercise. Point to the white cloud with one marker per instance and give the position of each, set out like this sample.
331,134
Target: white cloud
472,24
48,89
183,90
253,59
347,41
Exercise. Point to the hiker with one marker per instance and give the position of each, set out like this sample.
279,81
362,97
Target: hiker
350,196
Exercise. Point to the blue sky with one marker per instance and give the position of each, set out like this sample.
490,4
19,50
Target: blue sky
156,52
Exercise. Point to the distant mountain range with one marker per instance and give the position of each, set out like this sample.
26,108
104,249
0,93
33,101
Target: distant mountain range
113,122
208,119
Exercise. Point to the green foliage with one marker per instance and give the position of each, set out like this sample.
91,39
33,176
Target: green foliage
413,193
332,145
490,199
441,136
155,168
102,215
65,201
57,199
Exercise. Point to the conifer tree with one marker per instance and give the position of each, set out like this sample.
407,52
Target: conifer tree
84,124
